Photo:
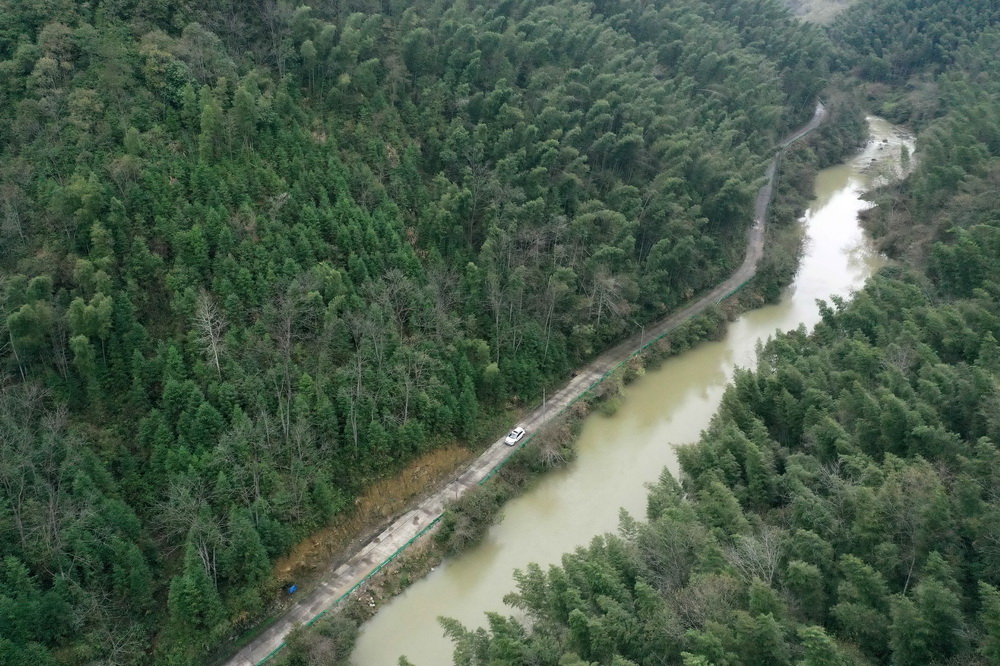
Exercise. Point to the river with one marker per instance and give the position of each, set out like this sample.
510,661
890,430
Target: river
618,455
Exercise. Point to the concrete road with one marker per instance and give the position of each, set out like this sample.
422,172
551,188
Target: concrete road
343,579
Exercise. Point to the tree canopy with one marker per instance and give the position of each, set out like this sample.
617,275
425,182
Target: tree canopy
255,255
841,508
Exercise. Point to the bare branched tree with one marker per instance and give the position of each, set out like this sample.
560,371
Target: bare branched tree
245,453
671,550
395,292
607,294
757,555
294,318
706,599
8,335
210,327
415,371
11,223
15,467
179,512
443,286
368,340
115,625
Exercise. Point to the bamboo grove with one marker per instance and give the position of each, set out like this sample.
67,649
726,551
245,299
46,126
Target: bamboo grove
842,507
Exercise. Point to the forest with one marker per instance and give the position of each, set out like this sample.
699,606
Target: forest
255,255
842,507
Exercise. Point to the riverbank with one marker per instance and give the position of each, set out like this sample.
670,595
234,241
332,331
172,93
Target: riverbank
618,455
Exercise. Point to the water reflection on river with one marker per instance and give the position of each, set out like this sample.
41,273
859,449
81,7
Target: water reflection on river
618,455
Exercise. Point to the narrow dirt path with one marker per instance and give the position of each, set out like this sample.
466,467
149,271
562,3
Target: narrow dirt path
340,582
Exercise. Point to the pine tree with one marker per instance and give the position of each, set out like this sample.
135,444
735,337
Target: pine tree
244,561
193,600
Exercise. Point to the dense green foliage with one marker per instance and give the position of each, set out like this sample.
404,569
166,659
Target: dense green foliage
952,190
925,50
842,508
328,641
255,254
894,40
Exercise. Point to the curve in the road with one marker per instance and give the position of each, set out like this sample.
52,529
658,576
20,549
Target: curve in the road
340,582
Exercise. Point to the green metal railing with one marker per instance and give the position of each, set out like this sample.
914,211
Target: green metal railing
358,584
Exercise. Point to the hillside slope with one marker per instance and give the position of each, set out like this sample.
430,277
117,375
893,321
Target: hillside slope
254,255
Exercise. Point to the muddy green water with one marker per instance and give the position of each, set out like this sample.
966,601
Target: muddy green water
618,455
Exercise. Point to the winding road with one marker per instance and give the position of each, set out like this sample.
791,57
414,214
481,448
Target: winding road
339,582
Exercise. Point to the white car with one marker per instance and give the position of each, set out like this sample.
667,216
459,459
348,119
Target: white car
514,437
